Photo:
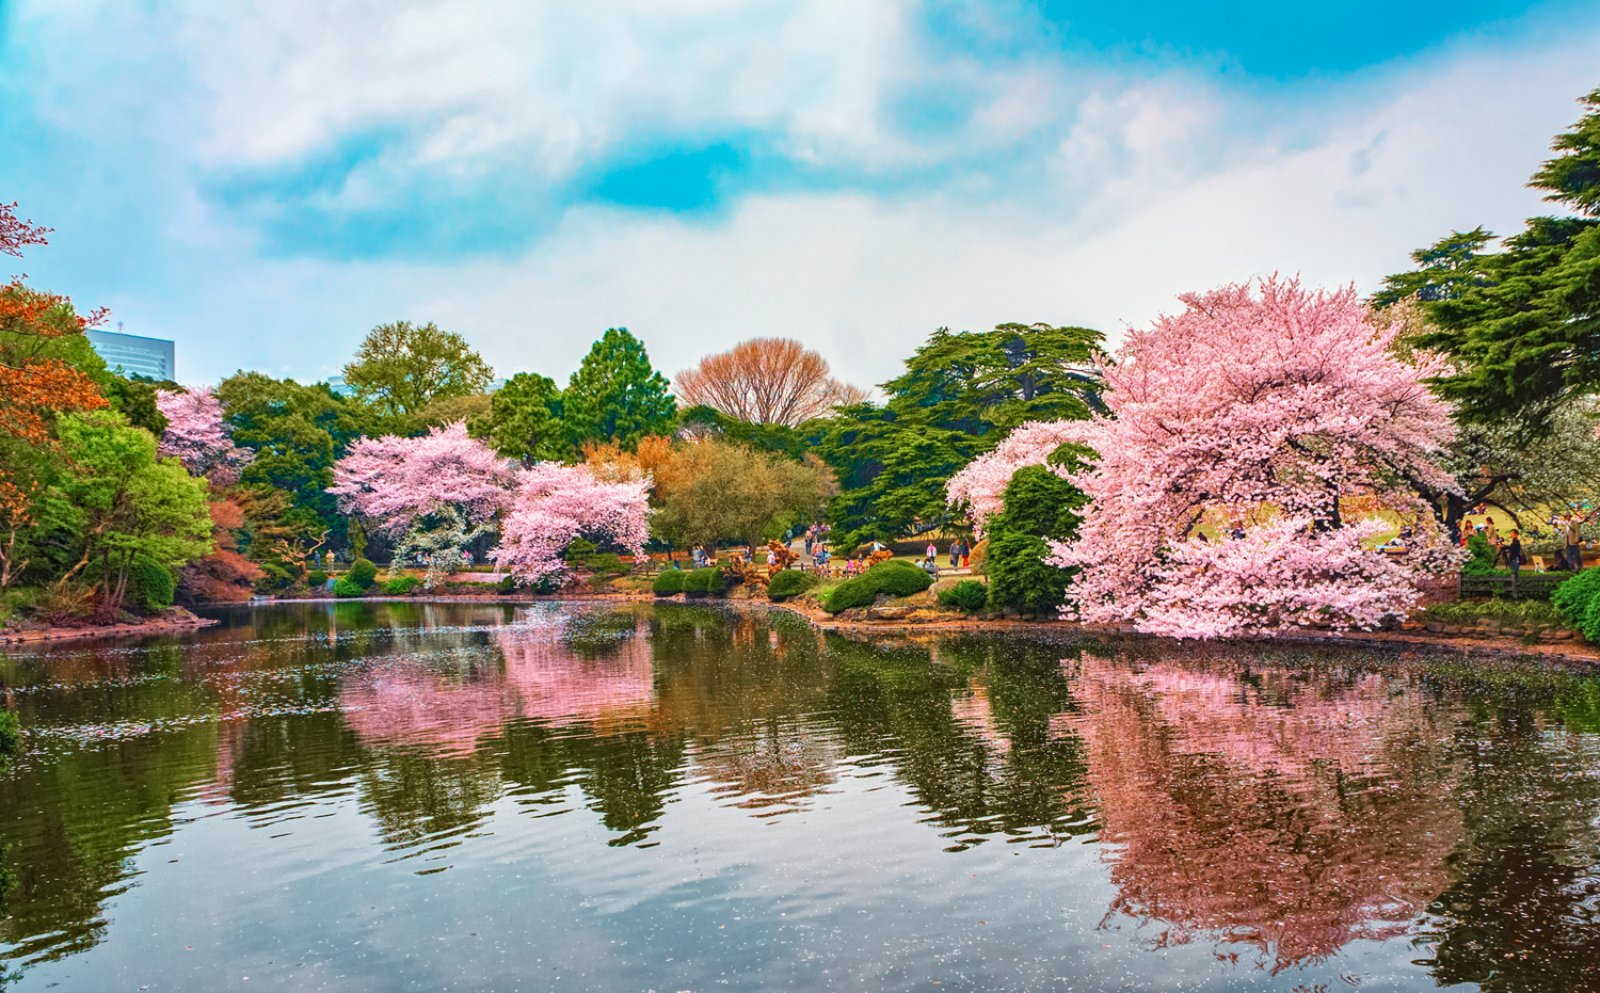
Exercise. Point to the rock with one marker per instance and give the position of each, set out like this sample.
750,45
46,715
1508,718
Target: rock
897,612
1437,627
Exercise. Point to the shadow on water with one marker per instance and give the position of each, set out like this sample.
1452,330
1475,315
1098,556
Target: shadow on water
609,781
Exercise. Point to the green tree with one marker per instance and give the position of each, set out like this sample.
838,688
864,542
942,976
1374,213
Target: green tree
1038,506
960,394
524,421
128,504
402,367
713,489
296,433
1522,325
616,395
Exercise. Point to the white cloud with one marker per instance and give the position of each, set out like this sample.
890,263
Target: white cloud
1081,197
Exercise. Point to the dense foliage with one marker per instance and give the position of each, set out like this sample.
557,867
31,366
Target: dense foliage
968,596
960,394
895,577
617,395
1039,507
1522,325
789,583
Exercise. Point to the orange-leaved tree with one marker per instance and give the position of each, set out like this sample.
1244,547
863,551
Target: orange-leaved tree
35,387
766,381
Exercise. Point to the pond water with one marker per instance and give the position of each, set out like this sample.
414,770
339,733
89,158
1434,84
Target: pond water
412,796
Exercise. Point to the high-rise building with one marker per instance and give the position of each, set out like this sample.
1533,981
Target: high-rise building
135,355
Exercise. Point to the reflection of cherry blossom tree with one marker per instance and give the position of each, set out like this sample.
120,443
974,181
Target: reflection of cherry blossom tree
1290,816
403,702
551,683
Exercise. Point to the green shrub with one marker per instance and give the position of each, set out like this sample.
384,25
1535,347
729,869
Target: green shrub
363,573
507,585
791,583
705,582
401,585
968,596
606,564
1590,628
344,586
895,577
579,551
10,736
1573,597
151,585
1038,505
316,579
668,582
1480,556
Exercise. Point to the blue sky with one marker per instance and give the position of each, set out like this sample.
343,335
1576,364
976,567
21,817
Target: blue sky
265,182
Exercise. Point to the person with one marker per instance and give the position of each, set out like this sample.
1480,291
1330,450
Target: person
930,565
1491,531
955,554
772,559
1514,553
877,546
1574,535
933,551
966,554
811,538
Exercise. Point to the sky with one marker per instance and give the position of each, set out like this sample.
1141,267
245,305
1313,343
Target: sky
263,183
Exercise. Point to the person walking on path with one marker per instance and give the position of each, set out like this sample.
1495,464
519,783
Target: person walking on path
1514,553
933,550
955,554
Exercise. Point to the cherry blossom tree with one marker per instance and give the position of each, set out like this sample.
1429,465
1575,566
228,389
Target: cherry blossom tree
197,436
982,484
438,492
1277,405
555,504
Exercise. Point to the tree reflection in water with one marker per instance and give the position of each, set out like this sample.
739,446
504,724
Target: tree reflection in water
1280,810
1274,805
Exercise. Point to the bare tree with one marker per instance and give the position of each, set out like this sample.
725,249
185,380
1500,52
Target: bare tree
766,381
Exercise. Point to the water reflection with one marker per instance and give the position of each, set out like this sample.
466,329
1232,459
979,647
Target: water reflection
1323,817
1289,811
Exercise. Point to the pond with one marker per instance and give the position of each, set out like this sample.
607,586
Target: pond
453,796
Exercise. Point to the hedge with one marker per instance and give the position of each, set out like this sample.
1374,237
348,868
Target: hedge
316,579
668,582
401,585
895,577
344,586
791,583
363,573
968,596
705,582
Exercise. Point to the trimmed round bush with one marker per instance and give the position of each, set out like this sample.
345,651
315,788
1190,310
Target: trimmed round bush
895,577
791,583
968,596
1573,597
151,585
401,585
705,582
668,582
363,573
344,587
316,579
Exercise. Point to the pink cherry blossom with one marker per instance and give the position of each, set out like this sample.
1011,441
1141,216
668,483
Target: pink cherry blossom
197,436
1269,403
393,481
982,484
555,504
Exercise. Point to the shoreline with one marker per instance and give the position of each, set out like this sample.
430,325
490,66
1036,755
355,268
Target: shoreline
1587,656
187,621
